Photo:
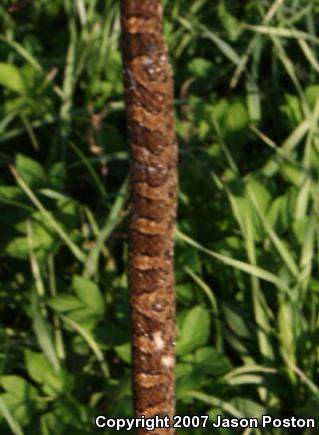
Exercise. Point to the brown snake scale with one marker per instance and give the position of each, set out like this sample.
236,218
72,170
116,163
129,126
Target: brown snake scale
149,100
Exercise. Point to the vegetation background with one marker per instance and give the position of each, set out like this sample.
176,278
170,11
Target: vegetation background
247,104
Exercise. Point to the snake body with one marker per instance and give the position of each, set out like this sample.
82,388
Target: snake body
148,87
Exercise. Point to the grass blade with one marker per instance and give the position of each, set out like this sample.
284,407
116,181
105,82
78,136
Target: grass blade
240,265
112,221
77,252
12,423
278,244
91,343
216,403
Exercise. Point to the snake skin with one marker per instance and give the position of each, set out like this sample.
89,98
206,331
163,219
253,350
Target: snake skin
151,124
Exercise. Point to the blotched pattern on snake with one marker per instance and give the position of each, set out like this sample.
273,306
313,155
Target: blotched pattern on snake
151,126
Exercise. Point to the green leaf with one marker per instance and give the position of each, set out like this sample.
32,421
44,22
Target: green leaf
292,109
45,339
200,67
248,407
11,194
20,397
31,171
183,370
57,175
37,365
86,317
228,21
40,370
44,240
72,413
185,292
259,189
11,78
237,118
65,303
236,320
49,193
124,352
195,330
88,293
212,362
312,93
281,210
17,248
18,386
291,173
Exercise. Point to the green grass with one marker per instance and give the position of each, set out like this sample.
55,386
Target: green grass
247,105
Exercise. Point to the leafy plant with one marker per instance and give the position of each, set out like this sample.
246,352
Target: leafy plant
247,106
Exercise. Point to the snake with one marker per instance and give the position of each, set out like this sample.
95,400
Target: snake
149,98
